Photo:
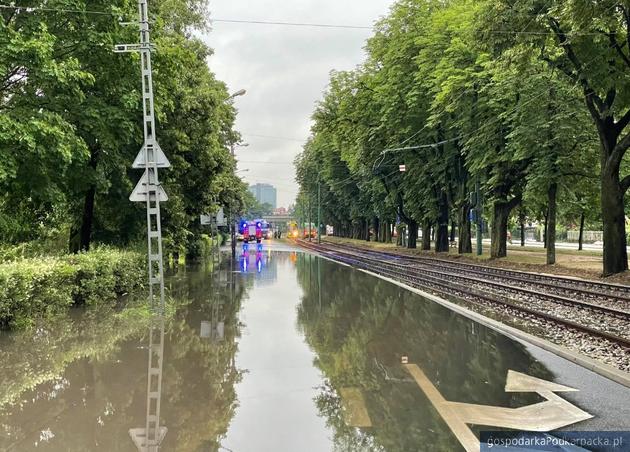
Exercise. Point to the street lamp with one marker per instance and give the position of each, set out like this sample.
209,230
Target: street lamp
240,92
237,145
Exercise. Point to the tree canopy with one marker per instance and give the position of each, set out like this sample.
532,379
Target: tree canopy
518,99
70,118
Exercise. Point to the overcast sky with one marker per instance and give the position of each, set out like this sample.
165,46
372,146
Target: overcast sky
285,71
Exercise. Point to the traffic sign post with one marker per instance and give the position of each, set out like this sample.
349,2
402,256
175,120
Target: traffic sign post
150,191
478,218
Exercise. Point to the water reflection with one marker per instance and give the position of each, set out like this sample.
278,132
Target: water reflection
261,263
268,351
82,384
360,329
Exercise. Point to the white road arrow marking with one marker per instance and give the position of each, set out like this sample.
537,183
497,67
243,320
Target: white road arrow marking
553,413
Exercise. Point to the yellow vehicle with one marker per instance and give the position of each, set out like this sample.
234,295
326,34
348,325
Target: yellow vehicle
293,230
309,230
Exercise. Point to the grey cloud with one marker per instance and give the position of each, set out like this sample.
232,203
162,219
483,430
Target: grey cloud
285,70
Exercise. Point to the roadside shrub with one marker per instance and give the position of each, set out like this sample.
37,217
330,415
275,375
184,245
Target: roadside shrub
40,287
105,274
34,287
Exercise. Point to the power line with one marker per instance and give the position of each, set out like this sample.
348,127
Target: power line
544,33
31,9
293,24
494,121
576,85
273,137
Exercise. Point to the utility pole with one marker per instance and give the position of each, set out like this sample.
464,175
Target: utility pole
232,219
310,239
478,217
319,212
150,191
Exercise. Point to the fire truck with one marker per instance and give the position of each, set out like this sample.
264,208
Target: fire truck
252,231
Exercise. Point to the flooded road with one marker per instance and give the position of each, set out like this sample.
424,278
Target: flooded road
279,351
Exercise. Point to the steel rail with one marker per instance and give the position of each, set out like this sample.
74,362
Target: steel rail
447,289
567,284
619,313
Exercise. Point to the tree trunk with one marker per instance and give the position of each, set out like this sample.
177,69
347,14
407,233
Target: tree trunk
613,216
612,152
426,236
399,236
464,244
441,241
87,218
367,230
581,237
452,237
551,223
545,222
413,234
376,226
522,233
498,234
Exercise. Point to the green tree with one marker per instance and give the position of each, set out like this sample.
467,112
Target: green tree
585,41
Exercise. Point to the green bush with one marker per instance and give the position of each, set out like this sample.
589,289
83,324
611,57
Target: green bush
40,287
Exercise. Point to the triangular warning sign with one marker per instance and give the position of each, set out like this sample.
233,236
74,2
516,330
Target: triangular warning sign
141,191
155,154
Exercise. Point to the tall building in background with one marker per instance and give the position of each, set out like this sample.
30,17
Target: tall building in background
265,194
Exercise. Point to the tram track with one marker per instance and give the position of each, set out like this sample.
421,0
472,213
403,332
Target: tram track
523,287
582,316
616,296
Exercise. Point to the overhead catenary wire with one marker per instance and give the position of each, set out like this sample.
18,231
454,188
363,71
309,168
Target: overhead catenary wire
532,19
292,24
492,122
33,9
273,137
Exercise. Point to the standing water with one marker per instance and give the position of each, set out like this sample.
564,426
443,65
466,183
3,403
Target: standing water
270,352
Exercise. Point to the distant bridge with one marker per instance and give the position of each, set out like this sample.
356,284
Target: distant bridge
279,221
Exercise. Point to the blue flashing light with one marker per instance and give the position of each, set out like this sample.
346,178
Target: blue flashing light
259,262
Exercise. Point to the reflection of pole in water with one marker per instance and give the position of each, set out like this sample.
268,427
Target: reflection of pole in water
310,272
148,439
319,282
214,329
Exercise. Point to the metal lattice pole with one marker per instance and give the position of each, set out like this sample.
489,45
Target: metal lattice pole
150,192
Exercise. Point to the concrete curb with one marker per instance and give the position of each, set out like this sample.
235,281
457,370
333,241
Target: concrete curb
599,368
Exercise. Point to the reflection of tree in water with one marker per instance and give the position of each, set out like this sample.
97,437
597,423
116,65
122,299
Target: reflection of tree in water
360,327
34,357
88,400
200,373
